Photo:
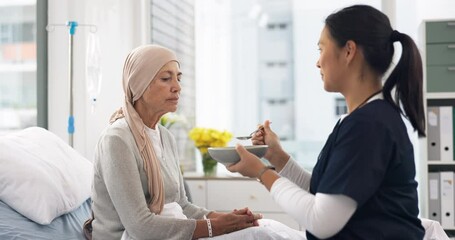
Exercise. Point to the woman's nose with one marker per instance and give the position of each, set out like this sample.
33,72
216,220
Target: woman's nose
317,64
176,86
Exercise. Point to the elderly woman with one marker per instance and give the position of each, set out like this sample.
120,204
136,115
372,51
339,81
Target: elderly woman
138,189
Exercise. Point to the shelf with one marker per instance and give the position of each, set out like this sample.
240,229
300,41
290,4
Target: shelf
439,91
440,163
441,95
441,167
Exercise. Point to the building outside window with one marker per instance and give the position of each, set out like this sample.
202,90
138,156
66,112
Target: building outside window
18,65
340,107
276,67
172,26
251,55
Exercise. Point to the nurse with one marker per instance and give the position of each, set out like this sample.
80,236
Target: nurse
362,186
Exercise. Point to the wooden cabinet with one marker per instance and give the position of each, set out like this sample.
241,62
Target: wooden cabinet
229,193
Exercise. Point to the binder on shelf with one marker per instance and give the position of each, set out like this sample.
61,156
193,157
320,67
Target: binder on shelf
453,132
434,148
434,200
447,199
446,132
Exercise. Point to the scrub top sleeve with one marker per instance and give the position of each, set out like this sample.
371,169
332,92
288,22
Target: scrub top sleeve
358,160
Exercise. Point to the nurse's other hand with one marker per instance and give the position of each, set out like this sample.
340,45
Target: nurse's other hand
275,153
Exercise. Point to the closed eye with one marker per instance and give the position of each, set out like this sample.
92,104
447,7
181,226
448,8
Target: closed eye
179,76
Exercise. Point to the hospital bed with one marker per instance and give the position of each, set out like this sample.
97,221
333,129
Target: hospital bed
45,187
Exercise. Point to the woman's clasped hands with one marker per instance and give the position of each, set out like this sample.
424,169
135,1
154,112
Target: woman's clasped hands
234,221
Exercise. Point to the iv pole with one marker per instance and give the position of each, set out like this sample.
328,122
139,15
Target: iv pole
72,25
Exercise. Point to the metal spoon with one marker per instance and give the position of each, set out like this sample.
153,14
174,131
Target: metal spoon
251,134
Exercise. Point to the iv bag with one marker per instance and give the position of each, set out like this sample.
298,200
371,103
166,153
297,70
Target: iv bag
93,68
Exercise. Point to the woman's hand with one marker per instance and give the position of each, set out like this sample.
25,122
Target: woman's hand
231,222
222,223
246,211
275,153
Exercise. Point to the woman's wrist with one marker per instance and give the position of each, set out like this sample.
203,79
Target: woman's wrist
209,227
213,214
215,227
201,229
205,228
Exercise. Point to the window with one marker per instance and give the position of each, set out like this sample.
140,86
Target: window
18,64
340,107
172,26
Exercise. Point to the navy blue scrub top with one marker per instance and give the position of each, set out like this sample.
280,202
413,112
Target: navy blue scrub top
370,158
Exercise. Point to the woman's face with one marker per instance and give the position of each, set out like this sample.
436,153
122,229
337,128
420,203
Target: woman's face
162,94
330,62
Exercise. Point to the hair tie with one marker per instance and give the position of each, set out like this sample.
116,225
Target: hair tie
395,36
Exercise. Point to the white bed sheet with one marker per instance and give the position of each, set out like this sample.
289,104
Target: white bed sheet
68,226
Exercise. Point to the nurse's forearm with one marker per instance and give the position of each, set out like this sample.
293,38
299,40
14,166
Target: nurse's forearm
296,174
323,215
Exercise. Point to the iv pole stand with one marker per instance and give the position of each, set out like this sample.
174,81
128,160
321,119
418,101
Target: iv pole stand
72,30
72,25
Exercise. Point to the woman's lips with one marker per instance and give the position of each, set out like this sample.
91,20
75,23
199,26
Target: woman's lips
176,100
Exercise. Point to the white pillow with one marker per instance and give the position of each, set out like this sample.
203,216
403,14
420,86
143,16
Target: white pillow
42,177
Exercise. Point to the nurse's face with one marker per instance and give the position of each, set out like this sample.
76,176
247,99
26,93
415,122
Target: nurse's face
329,62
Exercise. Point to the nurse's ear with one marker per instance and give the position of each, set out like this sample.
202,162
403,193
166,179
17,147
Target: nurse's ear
350,49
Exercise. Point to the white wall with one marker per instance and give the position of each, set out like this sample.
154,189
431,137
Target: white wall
213,66
119,30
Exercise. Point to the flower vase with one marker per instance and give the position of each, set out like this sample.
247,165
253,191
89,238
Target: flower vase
209,165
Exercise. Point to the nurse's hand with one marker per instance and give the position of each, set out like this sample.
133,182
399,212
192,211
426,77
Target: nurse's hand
275,153
249,165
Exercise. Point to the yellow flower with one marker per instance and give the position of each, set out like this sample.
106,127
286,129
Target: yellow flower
209,137
204,138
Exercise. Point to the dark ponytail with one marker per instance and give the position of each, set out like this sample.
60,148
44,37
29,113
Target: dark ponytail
407,77
370,29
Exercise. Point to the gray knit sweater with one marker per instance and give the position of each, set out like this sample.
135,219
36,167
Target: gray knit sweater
120,192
